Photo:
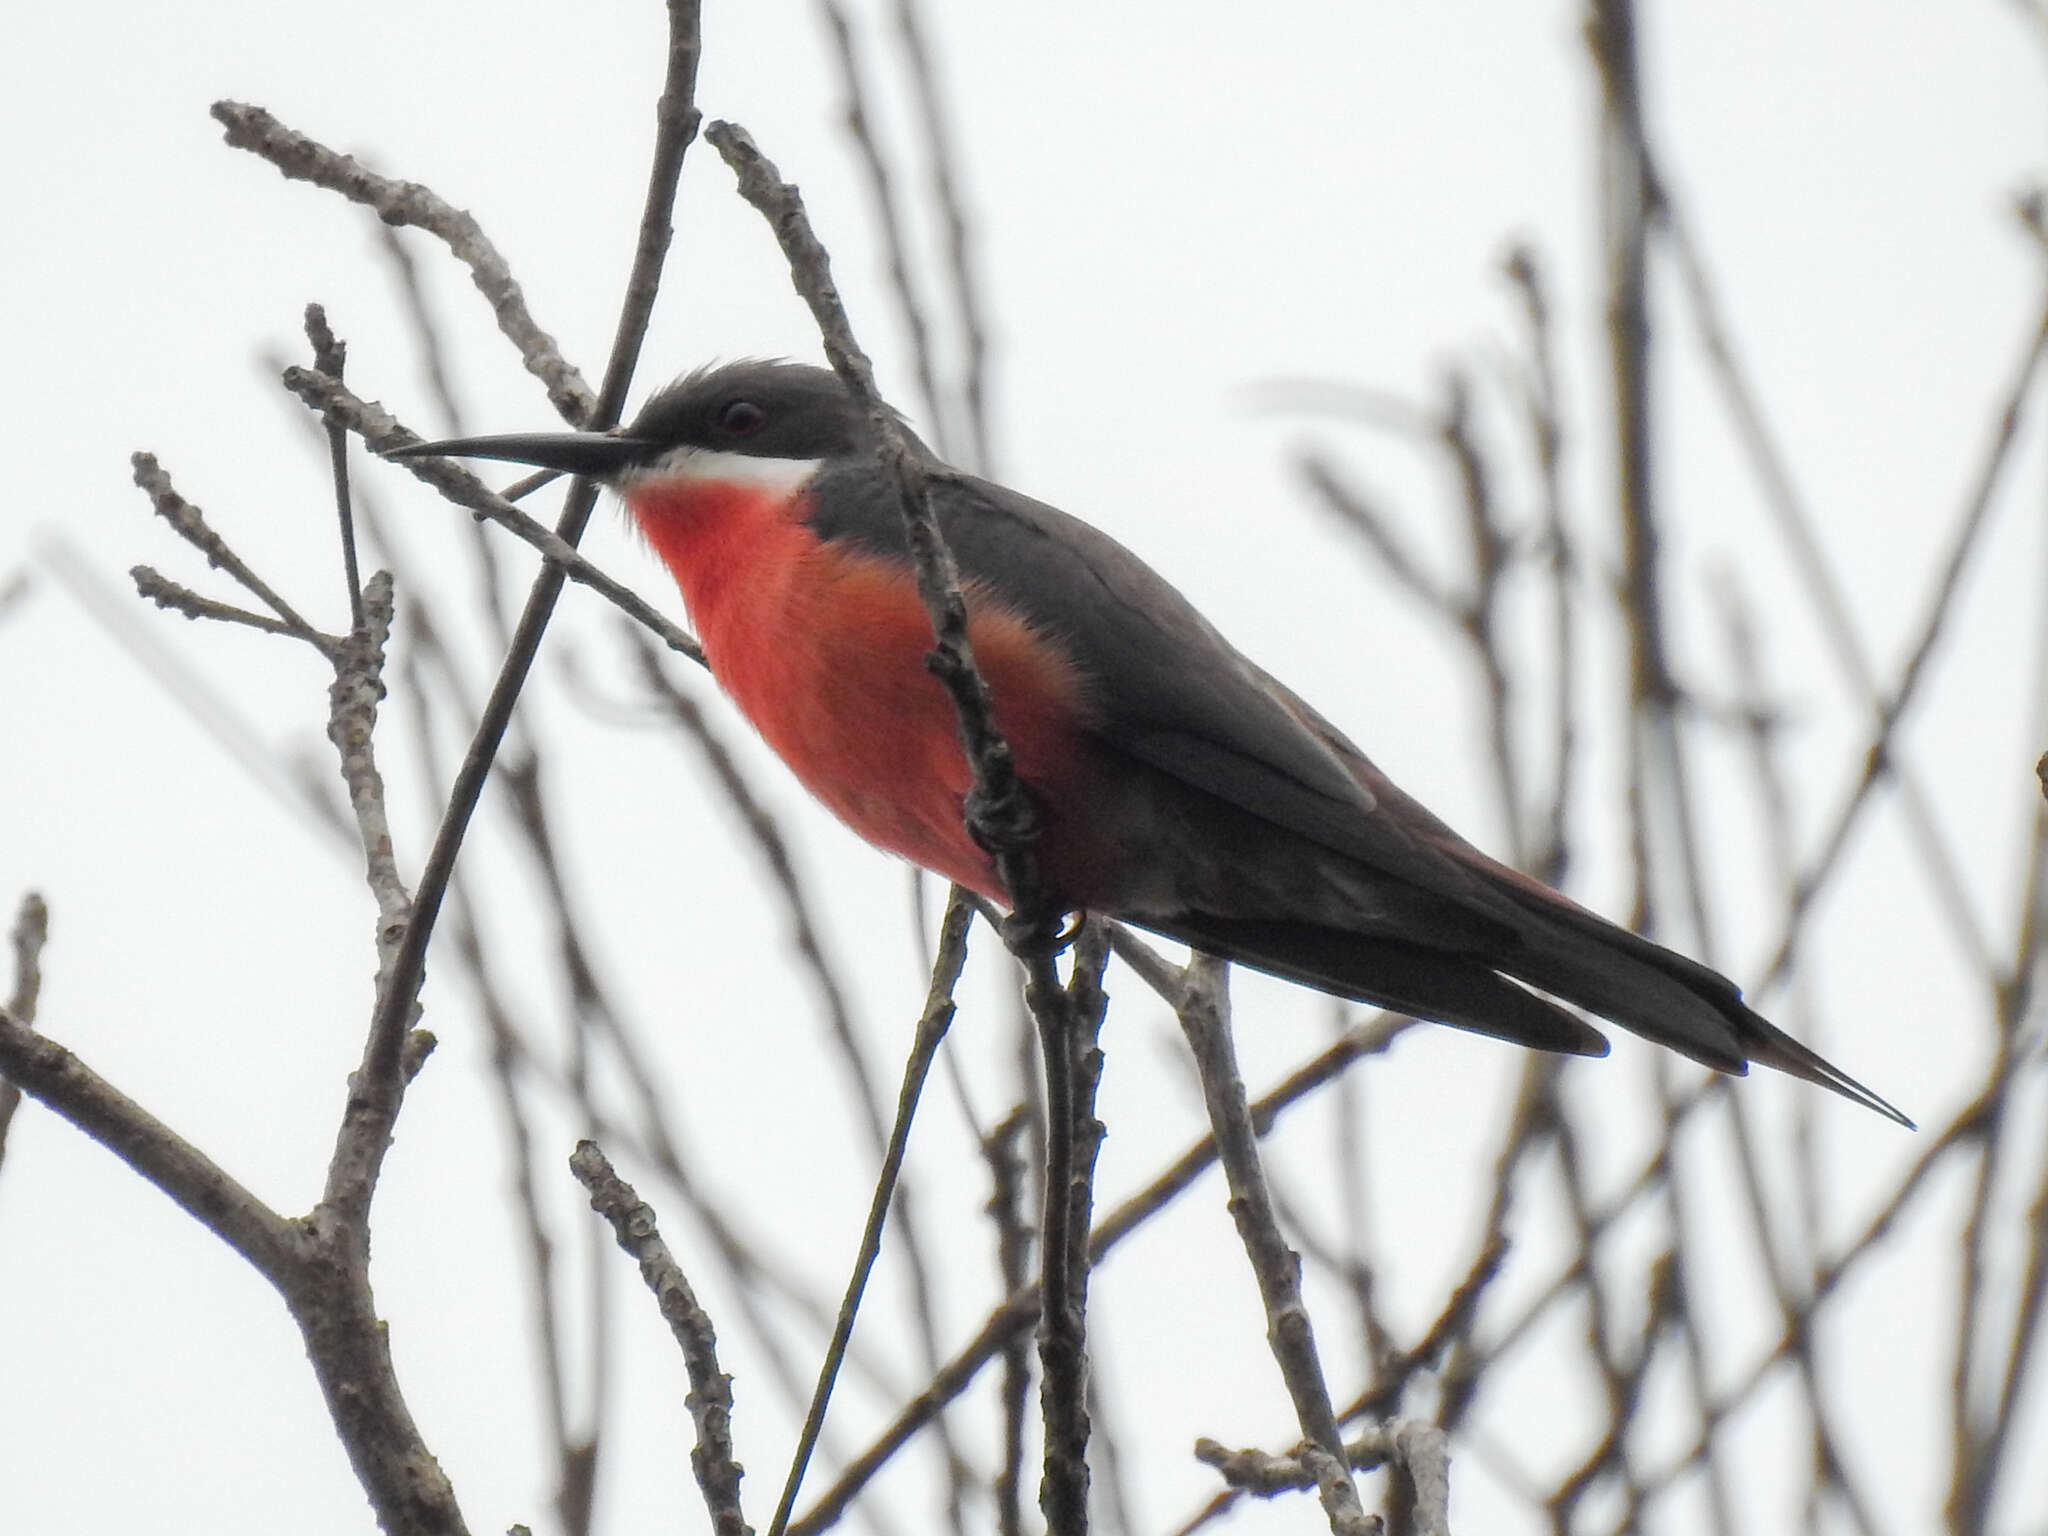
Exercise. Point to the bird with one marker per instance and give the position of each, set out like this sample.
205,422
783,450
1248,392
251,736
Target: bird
1178,786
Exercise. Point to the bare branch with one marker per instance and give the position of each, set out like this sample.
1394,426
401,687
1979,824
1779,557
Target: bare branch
938,140
330,356
190,524
710,1396
888,217
167,594
676,124
31,932
300,158
205,1191
1419,1452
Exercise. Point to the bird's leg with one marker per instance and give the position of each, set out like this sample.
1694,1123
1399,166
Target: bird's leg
1006,823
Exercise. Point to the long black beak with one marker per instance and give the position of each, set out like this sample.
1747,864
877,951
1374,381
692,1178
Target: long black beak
598,455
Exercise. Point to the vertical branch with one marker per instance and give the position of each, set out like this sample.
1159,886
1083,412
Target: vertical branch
1013,1245
1480,613
574,1448
1627,197
375,1094
330,356
946,193
31,932
1760,722
889,219
1548,857
1657,762
1069,1024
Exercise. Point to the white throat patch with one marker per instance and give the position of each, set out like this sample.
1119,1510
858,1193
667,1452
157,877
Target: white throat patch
781,476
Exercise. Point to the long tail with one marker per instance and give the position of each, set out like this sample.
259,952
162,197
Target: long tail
1561,949
1660,995
1389,973
1504,929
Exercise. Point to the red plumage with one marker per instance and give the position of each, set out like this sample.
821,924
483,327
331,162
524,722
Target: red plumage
822,646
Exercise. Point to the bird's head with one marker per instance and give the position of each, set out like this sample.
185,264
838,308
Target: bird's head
764,424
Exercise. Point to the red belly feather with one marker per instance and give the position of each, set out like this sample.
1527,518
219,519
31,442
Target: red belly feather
822,646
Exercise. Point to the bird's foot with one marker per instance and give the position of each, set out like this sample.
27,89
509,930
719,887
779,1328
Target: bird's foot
1003,823
1053,932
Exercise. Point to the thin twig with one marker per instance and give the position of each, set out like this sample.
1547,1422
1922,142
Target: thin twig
167,594
931,1030
1878,755
1823,585
1013,1246
217,715
330,356
300,158
190,524
1417,1452
427,331
939,145
381,433
888,218
31,931
1352,507
774,851
1794,1305
1547,859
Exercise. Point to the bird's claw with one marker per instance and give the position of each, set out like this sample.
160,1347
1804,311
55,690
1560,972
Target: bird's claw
1053,933
1001,824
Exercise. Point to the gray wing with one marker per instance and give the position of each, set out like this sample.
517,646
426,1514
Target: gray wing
1173,694
1169,690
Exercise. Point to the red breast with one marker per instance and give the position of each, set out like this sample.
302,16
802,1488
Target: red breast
822,645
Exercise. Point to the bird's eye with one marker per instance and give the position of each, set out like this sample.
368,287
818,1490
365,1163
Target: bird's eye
742,418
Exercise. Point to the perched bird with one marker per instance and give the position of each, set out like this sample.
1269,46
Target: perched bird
1180,787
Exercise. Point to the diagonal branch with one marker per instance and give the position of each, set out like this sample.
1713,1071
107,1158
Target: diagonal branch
299,158
676,126
710,1397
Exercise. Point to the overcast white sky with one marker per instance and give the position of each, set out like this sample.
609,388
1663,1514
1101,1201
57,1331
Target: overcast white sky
1172,203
